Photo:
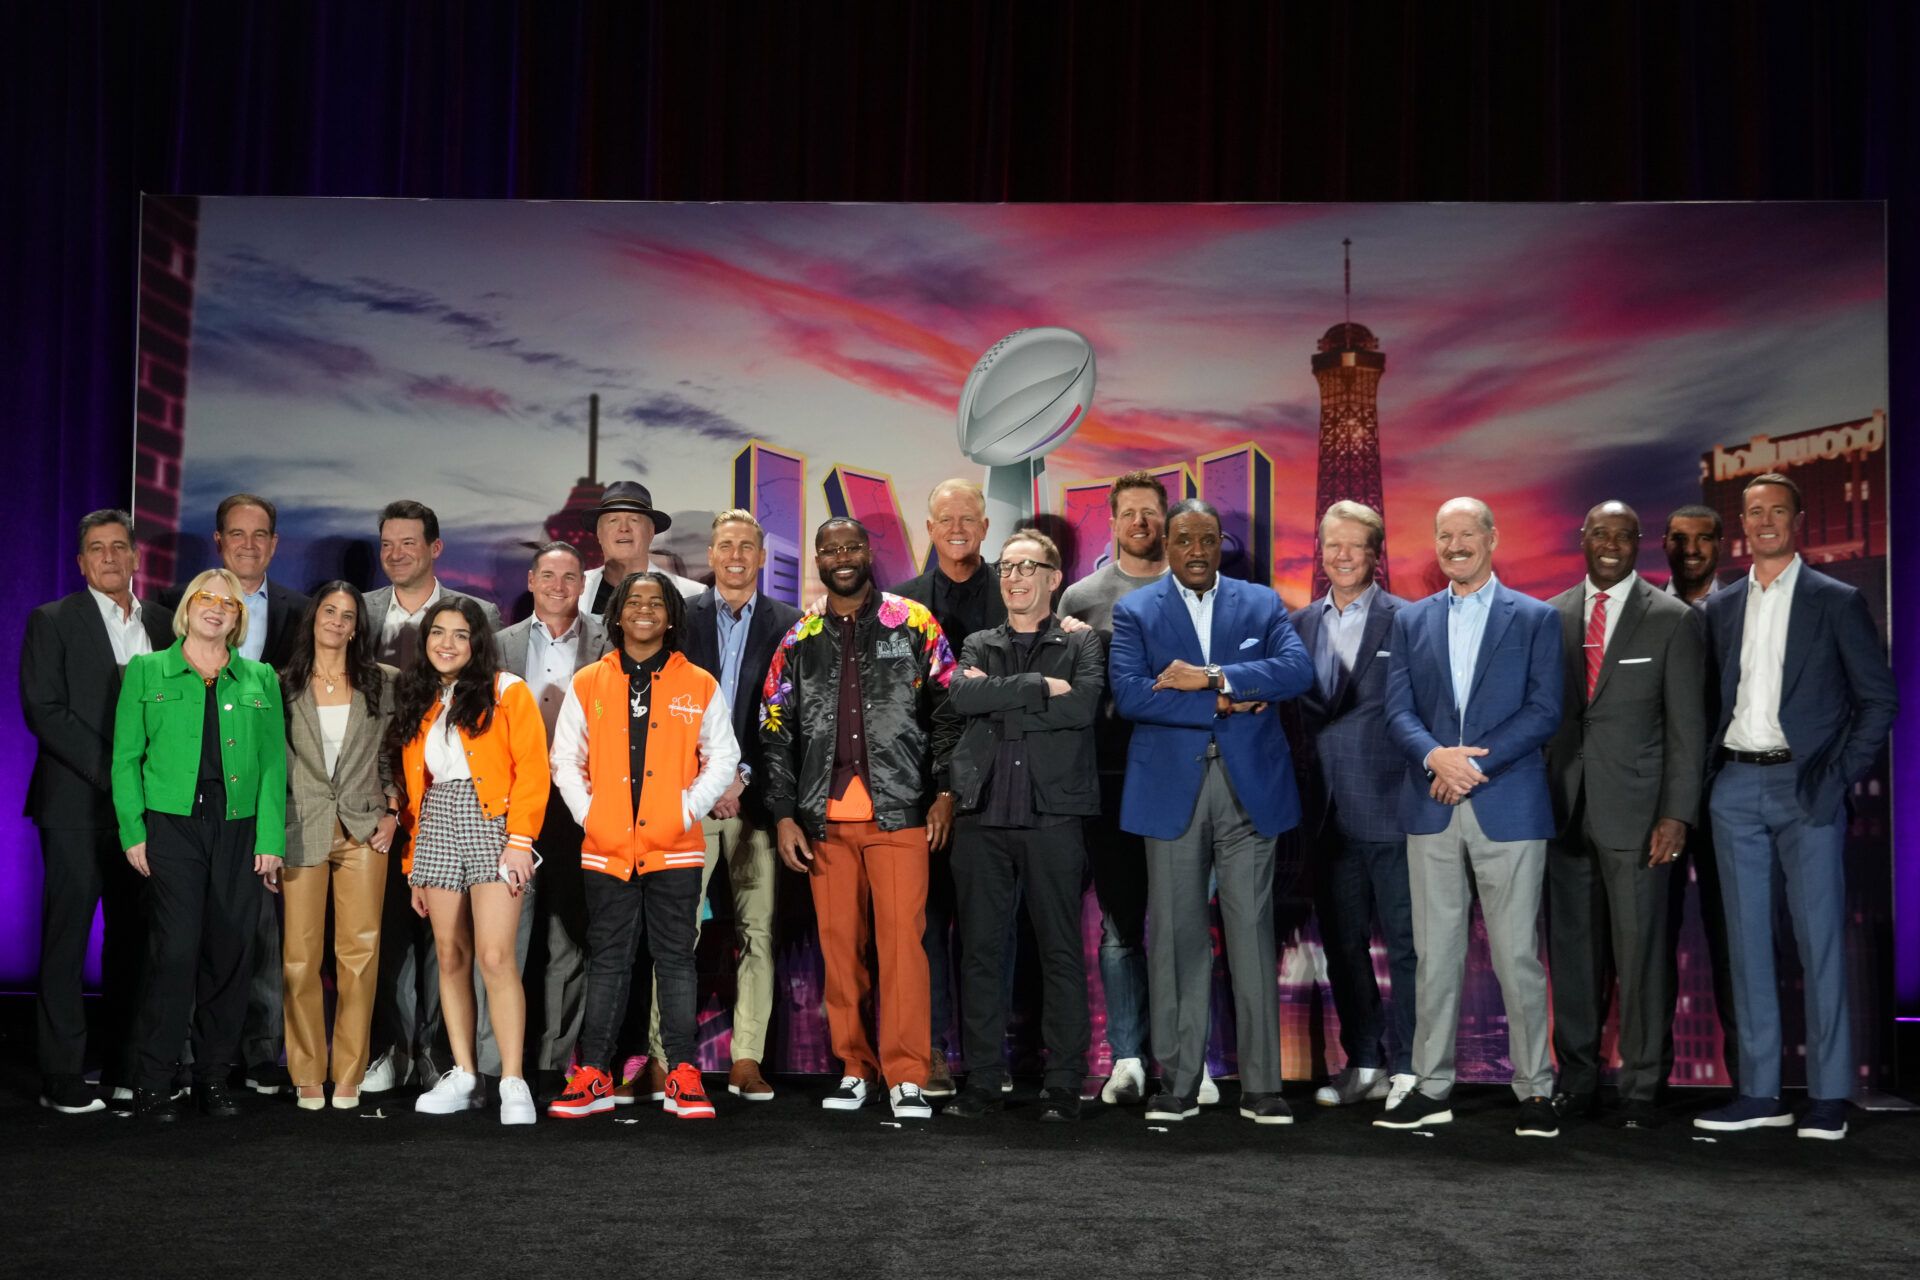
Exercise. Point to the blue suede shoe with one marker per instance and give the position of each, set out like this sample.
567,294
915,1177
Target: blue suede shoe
1746,1113
1825,1119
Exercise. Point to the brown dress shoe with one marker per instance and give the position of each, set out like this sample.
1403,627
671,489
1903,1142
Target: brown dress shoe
656,1087
745,1081
939,1079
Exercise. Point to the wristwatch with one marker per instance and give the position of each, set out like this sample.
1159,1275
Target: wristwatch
1214,678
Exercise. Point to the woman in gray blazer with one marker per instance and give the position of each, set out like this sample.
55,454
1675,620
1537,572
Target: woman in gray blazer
341,816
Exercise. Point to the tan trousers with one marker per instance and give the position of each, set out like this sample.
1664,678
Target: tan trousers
355,878
747,849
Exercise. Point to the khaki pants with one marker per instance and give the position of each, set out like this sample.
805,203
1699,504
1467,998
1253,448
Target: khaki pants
747,849
357,878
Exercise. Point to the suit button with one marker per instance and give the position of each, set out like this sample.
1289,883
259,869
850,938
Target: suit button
234,778
229,741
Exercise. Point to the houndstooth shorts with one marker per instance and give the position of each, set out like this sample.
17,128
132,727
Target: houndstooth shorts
457,845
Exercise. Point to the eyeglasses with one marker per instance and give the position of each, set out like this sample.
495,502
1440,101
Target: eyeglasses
1025,568
225,603
840,550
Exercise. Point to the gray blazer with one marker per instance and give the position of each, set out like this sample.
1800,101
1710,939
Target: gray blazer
380,599
514,643
1638,750
357,789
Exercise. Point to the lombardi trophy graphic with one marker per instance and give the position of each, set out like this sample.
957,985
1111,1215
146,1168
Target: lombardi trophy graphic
1025,398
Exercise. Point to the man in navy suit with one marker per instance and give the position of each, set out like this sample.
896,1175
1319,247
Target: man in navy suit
1806,700
1197,662
1351,775
1473,694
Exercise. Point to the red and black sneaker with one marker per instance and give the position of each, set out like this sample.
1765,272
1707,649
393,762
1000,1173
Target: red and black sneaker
686,1096
589,1091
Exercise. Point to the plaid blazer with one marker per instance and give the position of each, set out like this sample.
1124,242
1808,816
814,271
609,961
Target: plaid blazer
1350,771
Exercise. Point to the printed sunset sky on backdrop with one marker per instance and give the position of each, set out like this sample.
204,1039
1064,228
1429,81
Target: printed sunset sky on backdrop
346,352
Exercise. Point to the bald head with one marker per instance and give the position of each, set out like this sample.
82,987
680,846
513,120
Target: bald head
1464,539
1472,506
1610,541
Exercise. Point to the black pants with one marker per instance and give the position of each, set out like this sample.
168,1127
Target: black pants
203,908
85,867
991,865
664,907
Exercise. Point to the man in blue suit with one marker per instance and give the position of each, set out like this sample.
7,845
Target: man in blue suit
1473,695
1805,704
1350,778
1197,661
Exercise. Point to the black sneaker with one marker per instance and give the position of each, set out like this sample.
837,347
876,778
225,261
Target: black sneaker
1059,1105
1265,1108
70,1096
1537,1119
155,1108
1576,1106
268,1077
1419,1111
1171,1106
1632,1113
212,1098
973,1103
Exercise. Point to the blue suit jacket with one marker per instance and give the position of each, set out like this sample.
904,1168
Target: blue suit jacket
1837,697
1349,764
1513,710
1264,661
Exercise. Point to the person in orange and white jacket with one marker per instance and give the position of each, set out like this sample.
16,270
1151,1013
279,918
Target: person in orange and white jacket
643,748
473,754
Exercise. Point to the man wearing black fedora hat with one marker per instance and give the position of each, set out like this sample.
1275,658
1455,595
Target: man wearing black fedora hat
625,523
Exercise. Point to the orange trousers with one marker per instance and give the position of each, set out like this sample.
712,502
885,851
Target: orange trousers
354,878
859,869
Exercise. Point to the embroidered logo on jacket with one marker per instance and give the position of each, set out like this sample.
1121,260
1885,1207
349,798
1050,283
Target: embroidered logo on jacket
685,707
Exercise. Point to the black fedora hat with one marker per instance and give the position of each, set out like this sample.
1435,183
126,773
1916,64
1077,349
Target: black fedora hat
631,495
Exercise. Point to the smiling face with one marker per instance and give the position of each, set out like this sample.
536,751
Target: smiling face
736,555
957,524
246,544
1193,549
844,560
108,559
1610,540
1770,521
556,581
406,554
213,611
333,623
1347,555
643,618
449,644
1693,549
1139,524
626,539
1028,598
1465,545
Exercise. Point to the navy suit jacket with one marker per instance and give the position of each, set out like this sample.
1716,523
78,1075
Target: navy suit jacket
771,621
1837,697
1513,710
1349,765
1264,661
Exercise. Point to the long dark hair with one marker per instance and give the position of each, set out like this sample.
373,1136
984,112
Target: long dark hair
676,611
362,666
419,685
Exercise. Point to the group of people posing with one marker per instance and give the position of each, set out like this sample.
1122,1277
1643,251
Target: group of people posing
509,823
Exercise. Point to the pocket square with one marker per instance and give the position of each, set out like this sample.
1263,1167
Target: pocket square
1383,653
1627,662
1249,642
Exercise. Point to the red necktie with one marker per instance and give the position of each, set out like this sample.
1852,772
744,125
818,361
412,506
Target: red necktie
1596,645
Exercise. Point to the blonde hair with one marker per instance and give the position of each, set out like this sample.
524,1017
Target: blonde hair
1362,514
736,515
957,485
238,635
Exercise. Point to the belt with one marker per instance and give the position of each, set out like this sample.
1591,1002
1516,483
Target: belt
1780,755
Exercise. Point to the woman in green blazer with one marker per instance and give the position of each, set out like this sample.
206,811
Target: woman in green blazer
200,792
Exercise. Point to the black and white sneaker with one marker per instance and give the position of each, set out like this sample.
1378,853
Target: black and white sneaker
850,1096
909,1103
1265,1108
1171,1106
1537,1118
1418,1111
70,1096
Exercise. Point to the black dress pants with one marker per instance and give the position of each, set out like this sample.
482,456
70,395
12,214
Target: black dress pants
991,865
203,908
85,868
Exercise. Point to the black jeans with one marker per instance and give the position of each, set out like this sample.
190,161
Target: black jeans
664,907
203,908
990,866
84,868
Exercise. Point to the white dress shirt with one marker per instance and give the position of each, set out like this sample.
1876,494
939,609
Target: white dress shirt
1763,656
446,755
124,631
1200,609
550,665
1616,601
390,650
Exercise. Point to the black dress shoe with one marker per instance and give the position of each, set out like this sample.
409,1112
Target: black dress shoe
213,1100
1576,1106
1632,1113
973,1103
155,1107
1059,1105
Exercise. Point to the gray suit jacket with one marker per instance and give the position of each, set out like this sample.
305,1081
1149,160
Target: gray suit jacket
355,791
514,644
1638,749
380,599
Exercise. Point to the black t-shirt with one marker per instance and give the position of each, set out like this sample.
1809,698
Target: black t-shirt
640,678
212,770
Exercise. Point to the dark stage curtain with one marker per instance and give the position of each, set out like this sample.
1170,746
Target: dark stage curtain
913,100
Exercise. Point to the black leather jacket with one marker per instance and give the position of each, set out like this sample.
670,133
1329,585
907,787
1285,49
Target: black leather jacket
1011,701
905,667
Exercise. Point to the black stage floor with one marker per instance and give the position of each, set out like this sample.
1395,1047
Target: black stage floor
783,1188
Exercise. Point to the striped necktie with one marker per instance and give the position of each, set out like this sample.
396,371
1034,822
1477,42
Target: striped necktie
1596,645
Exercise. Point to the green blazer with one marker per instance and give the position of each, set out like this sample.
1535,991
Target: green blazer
156,744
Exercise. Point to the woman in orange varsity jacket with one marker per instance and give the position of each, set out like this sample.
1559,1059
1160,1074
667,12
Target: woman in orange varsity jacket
473,755
643,747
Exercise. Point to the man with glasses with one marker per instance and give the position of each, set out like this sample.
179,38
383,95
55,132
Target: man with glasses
1023,706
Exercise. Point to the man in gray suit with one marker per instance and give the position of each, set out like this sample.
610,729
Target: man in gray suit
406,1005
546,650
1626,767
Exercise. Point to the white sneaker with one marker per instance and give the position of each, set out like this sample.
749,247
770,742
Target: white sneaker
426,1072
1402,1085
850,1096
457,1091
1127,1084
516,1101
1355,1084
909,1103
388,1071
1209,1094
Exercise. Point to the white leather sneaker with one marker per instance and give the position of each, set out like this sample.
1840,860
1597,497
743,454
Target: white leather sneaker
1355,1084
1402,1085
457,1091
1126,1085
388,1071
1209,1094
516,1101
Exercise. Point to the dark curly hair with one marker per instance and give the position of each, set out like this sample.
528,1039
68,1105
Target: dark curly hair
419,685
362,666
676,610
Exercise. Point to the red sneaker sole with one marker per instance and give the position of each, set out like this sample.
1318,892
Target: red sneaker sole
579,1110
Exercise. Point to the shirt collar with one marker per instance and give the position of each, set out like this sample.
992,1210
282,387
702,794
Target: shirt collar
1788,576
571,633
1361,603
746,610
1194,597
1481,597
111,611
648,667
1618,591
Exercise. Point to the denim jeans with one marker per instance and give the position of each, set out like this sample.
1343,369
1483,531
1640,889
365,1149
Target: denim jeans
664,907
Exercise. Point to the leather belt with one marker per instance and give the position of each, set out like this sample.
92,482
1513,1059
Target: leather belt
1780,755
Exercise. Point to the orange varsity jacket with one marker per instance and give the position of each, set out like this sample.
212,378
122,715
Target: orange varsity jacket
508,763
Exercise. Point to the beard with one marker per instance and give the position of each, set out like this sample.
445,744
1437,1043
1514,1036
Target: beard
860,581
